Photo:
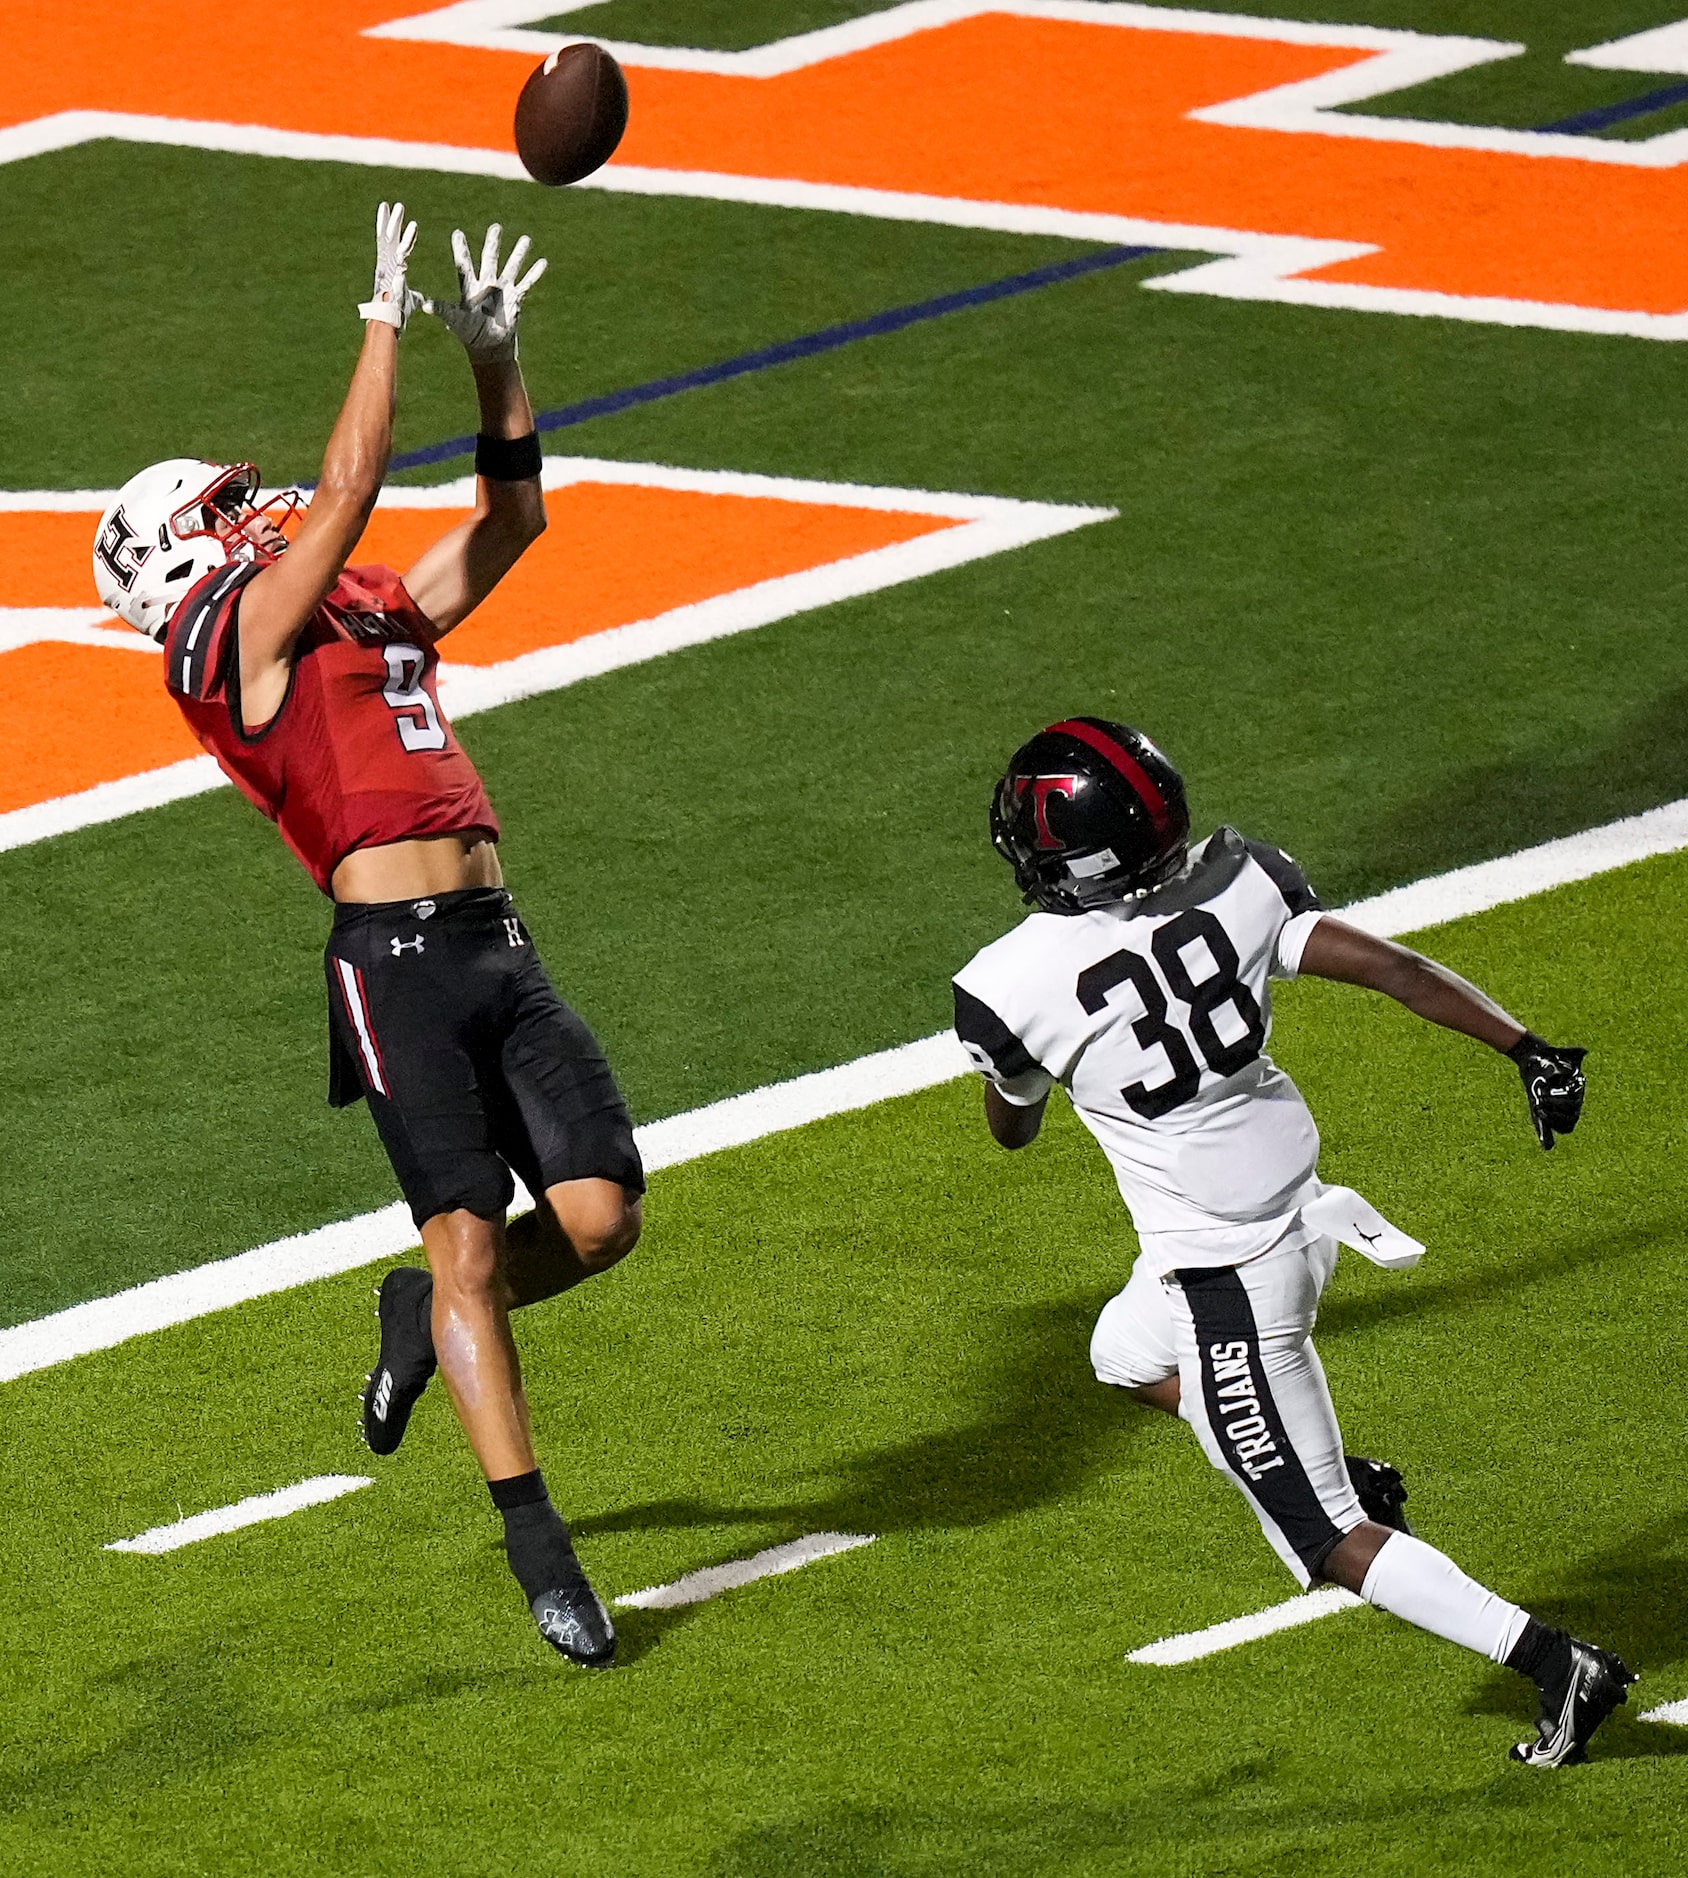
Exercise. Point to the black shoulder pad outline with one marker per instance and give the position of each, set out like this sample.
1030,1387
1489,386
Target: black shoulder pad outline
194,647
1214,864
1285,874
977,1024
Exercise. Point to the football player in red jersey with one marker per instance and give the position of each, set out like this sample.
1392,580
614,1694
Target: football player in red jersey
313,685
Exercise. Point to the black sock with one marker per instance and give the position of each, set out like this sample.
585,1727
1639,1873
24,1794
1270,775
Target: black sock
1541,1653
535,1539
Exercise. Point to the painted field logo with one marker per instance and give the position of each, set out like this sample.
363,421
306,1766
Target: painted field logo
1213,133
651,559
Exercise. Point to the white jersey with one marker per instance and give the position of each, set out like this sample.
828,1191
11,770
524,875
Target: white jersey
1154,1013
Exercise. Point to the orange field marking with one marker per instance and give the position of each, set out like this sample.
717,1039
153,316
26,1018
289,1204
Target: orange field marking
611,556
1100,123
1055,113
48,558
72,716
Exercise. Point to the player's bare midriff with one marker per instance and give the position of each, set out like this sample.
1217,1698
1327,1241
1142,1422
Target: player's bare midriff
407,870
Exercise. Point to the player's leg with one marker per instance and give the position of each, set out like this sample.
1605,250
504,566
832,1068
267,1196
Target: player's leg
560,1121
472,1301
471,1296
1135,1348
482,1270
472,1064
470,1326
1578,1683
401,1006
579,1229
1257,1398
557,1118
415,1016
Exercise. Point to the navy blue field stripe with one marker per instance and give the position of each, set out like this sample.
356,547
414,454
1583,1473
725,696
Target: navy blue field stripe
1609,114
1257,1448
828,339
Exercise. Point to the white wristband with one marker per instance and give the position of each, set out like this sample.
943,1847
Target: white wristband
389,311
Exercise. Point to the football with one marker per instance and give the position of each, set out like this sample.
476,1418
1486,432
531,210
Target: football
571,114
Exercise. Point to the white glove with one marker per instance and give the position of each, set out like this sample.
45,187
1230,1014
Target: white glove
390,299
484,318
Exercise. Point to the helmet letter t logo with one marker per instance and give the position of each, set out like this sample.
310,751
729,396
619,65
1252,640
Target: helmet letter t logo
1042,788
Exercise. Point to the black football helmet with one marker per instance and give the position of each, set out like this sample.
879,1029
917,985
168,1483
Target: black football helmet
1089,811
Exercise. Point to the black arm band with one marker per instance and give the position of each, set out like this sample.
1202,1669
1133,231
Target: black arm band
1528,1045
508,459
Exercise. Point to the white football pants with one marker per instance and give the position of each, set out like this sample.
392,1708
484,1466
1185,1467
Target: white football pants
1239,1339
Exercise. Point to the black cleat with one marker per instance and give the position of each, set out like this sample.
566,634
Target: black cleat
406,1361
1381,1491
572,1619
1574,1702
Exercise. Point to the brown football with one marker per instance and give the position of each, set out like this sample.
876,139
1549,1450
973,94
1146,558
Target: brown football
571,114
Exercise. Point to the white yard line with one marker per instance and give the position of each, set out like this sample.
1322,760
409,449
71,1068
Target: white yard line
1517,876
69,625
250,1512
1195,1644
1676,1712
712,1580
739,1120
326,1251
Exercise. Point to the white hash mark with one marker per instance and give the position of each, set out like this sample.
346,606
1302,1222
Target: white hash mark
249,1512
712,1580
1325,1602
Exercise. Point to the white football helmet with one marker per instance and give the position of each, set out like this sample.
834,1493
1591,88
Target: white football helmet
160,537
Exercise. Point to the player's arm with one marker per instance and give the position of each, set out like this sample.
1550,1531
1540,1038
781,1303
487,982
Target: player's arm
458,572
1011,1125
280,600
1016,1085
1553,1080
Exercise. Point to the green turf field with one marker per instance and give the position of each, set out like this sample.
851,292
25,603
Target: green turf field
910,1362
1400,594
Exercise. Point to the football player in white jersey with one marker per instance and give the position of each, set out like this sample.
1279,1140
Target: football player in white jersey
1142,984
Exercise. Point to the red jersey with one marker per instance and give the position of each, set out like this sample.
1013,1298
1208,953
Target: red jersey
360,753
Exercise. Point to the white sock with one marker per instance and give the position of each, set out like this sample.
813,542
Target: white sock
1412,1580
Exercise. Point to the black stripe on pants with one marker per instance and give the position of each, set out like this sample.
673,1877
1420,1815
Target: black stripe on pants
1245,1419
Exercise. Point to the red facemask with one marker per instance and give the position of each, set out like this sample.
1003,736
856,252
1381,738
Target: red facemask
228,501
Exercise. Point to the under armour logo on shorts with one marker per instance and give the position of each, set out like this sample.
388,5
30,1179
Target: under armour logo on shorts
407,945
513,932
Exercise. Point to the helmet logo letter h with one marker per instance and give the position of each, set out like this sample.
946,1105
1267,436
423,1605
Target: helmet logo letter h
121,550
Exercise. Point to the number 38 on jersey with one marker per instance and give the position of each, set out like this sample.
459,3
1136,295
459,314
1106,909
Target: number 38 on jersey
1153,1002
1220,1022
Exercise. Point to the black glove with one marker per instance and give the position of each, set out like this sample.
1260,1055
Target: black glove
1553,1085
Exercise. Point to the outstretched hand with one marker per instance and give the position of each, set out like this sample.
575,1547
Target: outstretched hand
1553,1085
390,299
484,316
